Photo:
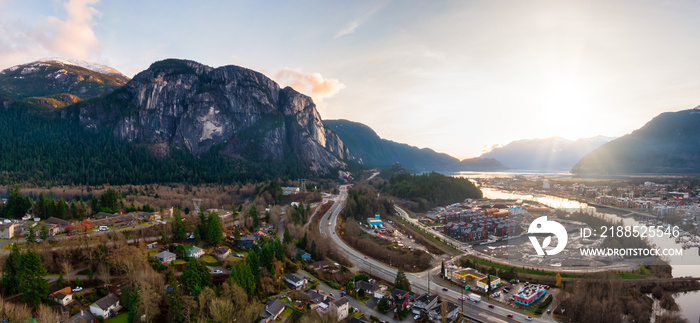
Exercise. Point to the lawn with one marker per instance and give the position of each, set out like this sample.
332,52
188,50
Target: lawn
179,262
210,260
121,318
152,253
287,312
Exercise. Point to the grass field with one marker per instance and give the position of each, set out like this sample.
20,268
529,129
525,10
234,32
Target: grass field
121,318
210,260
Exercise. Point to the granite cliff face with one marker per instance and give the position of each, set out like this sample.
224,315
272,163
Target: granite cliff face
188,105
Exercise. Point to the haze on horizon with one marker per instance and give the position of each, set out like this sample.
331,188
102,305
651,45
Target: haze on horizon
456,76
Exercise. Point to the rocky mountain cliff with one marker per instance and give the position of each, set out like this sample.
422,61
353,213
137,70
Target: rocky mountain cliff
186,105
368,148
54,82
669,143
545,154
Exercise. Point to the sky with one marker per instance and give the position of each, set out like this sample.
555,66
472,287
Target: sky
455,76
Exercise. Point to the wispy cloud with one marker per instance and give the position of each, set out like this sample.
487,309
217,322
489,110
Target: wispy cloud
314,84
353,25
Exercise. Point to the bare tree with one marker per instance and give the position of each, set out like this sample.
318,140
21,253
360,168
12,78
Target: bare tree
221,310
47,315
103,274
148,306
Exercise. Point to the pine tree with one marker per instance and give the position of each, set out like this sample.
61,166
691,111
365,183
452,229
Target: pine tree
12,272
32,283
31,237
178,225
254,217
216,231
401,281
44,233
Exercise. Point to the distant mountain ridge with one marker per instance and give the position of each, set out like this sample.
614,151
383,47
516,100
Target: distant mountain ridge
44,80
669,143
369,149
545,154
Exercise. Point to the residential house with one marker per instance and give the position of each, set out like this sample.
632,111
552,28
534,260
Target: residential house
7,230
62,296
82,317
62,224
369,288
25,228
435,314
272,310
296,282
165,257
195,252
323,264
341,307
424,303
304,255
221,252
106,306
246,242
399,298
316,297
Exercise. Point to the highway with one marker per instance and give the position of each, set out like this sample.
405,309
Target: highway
419,281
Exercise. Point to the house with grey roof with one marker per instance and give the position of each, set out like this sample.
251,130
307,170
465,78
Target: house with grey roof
106,306
165,257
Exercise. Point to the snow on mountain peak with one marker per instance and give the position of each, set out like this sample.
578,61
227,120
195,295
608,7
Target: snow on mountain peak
86,65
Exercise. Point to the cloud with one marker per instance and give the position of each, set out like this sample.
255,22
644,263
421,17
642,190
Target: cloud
70,37
352,26
314,84
74,36
349,29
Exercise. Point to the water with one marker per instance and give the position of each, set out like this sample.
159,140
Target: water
686,265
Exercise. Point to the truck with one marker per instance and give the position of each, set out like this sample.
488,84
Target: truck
475,298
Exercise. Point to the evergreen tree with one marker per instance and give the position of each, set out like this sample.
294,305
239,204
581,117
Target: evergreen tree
216,230
254,217
195,277
178,225
401,281
44,233
32,283
31,236
383,304
287,237
12,272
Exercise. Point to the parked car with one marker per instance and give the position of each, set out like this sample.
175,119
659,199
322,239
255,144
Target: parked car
549,311
77,289
217,272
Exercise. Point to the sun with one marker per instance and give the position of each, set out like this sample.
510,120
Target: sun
563,111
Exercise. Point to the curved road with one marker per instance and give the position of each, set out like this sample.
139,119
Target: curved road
419,281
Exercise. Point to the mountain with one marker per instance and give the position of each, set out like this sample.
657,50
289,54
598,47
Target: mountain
186,105
669,143
547,154
369,149
55,82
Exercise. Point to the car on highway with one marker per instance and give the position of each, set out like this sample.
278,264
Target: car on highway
461,298
510,315
77,289
529,318
491,306
365,257
549,311
444,289
217,272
